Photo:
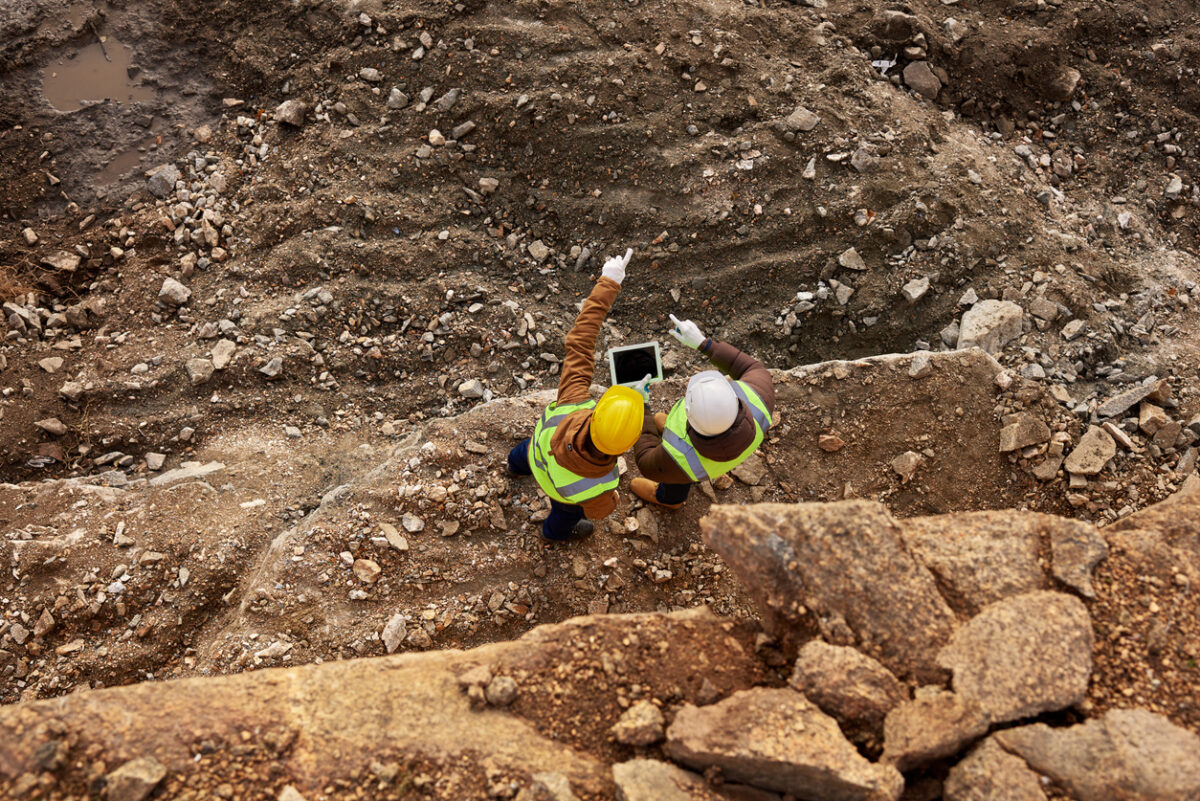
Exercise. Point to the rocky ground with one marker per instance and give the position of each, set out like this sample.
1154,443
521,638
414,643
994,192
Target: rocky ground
270,325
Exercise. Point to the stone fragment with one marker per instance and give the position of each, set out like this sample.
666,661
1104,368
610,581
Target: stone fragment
502,691
830,443
801,120
1026,430
370,75
366,570
394,632
851,260
51,364
222,353
915,289
1062,87
161,181
488,186
930,727
472,388
199,370
291,112
411,523
538,250
71,390
155,461
394,537
905,465
990,324
841,561
1073,329
397,99
640,725
1043,309
273,368
52,426
989,773
174,293
919,78
1129,754
290,793
1151,418
1022,656
548,787
846,684
134,780
1093,452
921,365
1168,435
63,261
778,740
751,472
187,472
1119,404
652,780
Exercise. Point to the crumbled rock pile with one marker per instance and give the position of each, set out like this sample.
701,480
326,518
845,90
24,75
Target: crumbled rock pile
935,672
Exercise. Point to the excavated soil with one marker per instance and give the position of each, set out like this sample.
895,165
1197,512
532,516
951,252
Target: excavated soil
371,268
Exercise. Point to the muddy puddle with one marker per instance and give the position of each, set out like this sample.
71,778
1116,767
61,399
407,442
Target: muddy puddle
97,72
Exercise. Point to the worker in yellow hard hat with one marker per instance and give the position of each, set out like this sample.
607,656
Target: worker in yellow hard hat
575,444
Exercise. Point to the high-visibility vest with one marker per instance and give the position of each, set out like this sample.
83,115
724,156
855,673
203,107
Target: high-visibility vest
679,445
555,480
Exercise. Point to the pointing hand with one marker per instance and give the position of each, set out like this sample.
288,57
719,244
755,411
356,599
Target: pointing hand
687,332
614,268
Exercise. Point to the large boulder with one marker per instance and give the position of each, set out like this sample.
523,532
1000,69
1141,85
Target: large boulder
980,557
652,780
1129,754
779,740
1023,656
990,324
989,773
841,567
850,686
931,726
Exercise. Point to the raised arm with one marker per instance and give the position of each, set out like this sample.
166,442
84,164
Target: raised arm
579,361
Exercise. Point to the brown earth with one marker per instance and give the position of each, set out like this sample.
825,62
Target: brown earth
383,274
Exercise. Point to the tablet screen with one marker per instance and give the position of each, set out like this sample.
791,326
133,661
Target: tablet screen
634,364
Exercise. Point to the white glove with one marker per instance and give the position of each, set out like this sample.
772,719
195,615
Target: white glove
614,268
687,332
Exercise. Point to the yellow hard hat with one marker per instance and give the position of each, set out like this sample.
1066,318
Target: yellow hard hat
617,420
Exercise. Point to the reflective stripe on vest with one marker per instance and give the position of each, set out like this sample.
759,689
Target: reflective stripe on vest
555,480
678,444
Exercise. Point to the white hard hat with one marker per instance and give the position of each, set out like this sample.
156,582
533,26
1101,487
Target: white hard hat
710,403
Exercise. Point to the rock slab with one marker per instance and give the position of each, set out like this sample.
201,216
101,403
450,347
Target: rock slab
779,740
989,773
844,564
1129,754
1023,656
851,686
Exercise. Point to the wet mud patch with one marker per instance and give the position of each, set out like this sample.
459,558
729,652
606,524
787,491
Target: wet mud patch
98,72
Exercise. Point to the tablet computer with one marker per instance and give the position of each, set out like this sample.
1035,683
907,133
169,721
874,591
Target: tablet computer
629,364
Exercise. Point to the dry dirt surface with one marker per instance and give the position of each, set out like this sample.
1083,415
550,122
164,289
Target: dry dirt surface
281,283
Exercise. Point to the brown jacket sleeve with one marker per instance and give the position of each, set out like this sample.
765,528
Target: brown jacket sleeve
742,367
600,507
652,458
579,362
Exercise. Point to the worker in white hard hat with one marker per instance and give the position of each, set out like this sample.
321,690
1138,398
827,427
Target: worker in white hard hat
717,425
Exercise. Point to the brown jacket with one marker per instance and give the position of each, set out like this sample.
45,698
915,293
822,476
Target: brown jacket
572,443
656,464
